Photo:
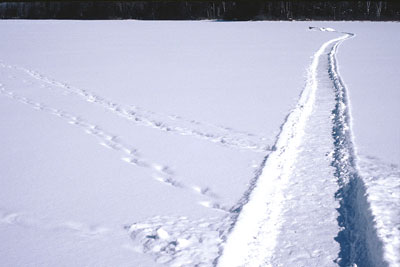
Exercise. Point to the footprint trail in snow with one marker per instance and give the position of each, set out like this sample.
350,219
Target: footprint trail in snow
129,154
175,124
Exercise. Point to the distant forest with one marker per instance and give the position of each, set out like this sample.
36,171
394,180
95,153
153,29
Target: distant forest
201,9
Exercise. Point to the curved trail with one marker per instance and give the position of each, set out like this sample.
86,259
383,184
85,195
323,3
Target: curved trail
254,237
358,237
299,212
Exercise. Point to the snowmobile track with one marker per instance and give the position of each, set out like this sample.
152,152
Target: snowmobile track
358,239
257,219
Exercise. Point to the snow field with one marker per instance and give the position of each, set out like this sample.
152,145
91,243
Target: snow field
103,165
101,153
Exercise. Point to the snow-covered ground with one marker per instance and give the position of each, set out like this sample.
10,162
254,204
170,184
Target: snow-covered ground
370,69
131,143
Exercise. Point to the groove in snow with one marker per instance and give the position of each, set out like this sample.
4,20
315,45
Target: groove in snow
359,242
253,238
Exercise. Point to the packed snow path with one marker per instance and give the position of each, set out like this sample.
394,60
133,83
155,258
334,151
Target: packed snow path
308,191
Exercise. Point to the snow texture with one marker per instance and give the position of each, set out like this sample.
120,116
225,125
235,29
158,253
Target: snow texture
131,143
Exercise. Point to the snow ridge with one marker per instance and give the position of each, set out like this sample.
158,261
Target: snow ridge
254,235
358,239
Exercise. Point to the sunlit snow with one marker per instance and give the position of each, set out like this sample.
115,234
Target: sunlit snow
143,143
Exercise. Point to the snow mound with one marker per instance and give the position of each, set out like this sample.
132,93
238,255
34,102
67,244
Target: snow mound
322,29
178,241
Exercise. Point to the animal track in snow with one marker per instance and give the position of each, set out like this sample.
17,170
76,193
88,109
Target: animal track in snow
9,218
81,229
214,205
130,155
168,123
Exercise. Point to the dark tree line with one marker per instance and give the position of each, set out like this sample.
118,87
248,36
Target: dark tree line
201,9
